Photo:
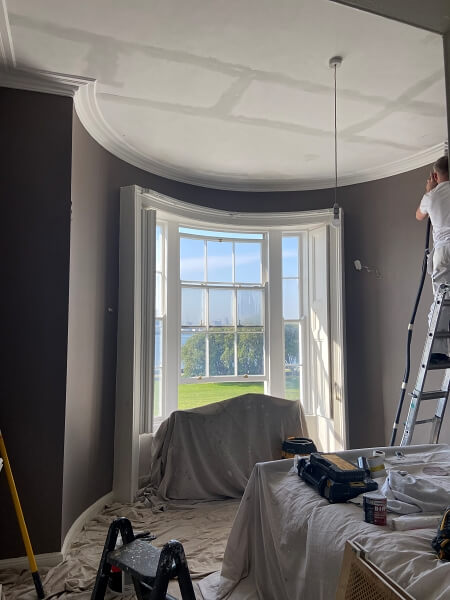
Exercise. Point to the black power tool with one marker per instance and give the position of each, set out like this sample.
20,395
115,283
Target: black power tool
334,478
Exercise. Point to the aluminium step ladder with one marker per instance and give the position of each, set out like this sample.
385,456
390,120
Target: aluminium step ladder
442,299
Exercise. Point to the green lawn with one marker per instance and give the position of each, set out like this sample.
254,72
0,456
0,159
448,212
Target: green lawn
292,387
191,395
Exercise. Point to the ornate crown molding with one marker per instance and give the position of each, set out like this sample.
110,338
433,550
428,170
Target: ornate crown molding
43,81
90,115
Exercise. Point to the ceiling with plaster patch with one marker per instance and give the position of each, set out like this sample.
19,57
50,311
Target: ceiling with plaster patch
238,94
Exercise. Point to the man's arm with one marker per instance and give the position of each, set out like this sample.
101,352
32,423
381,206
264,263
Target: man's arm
430,185
420,216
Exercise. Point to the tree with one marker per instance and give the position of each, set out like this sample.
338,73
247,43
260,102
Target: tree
193,355
250,354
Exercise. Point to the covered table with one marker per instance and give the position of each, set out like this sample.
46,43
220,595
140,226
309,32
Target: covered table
287,542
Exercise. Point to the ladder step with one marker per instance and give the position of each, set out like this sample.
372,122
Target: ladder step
439,366
446,302
139,558
442,334
430,395
424,421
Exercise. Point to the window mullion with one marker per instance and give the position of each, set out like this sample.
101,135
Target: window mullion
274,317
173,321
235,332
207,332
306,355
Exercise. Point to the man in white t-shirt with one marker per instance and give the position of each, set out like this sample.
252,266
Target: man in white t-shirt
436,204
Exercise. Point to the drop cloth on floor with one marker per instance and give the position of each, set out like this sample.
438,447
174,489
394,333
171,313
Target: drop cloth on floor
202,528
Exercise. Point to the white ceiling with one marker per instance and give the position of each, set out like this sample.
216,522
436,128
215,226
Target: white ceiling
238,94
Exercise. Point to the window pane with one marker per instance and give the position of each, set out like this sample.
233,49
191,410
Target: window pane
291,344
220,261
221,354
158,343
191,395
293,361
158,296
247,263
222,234
157,394
220,308
290,256
292,379
193,354
250,350
158,263
291,310
192,307
192,260
157,370
249,307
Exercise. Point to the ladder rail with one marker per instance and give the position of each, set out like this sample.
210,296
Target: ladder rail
439,414
442,300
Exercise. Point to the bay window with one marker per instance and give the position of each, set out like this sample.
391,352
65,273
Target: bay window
214,304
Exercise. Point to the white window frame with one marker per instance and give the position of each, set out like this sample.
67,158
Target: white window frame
230,286
304,340
135,203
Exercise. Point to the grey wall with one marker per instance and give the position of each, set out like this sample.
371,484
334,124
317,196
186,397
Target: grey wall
433,15
380,230
35,167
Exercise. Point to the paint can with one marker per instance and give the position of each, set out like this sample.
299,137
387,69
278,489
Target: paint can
374,505
376,464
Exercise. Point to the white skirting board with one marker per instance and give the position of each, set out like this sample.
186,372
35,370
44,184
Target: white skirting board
53,558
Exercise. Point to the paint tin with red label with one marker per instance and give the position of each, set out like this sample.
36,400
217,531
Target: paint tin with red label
374,505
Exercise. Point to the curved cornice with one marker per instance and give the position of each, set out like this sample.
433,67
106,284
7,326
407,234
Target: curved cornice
90,115
83,90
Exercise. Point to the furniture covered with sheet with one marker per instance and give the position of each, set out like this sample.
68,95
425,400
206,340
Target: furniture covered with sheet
287,542
209,452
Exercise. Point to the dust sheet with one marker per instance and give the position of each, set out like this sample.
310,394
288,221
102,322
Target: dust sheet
209,452
202,529
287,542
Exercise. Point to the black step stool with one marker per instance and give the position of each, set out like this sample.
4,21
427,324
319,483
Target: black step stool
150,568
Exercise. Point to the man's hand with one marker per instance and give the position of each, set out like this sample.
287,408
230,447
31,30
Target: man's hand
431,182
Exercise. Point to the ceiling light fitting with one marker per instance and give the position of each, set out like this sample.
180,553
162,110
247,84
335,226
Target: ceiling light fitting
334,63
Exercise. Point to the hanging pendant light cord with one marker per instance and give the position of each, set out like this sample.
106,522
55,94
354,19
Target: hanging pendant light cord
334,63
336,206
